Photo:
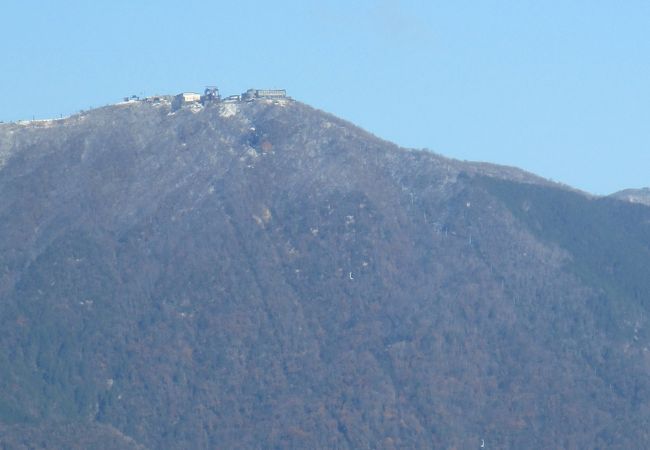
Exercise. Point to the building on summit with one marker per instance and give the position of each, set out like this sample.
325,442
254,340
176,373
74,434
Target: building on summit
185,98
212,95
252,94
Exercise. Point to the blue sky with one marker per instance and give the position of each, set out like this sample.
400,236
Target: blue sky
560,88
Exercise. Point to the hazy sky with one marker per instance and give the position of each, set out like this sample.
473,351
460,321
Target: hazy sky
557,87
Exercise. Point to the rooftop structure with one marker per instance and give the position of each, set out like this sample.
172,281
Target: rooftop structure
264,93
232,98
154,99
211,94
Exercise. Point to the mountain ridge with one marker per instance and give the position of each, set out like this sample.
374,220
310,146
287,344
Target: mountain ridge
497,170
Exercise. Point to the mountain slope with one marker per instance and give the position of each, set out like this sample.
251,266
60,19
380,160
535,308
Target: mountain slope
264,275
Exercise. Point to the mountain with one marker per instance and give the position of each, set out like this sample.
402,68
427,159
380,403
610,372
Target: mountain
264,275
634,195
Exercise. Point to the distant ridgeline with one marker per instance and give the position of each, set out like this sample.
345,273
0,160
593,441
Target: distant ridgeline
212,95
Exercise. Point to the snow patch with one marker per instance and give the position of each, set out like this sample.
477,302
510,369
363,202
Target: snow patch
40,123
275,101
228,109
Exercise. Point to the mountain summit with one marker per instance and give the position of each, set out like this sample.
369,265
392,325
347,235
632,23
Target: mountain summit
261,274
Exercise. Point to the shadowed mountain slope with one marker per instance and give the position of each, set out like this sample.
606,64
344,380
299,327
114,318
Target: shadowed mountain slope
265,275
